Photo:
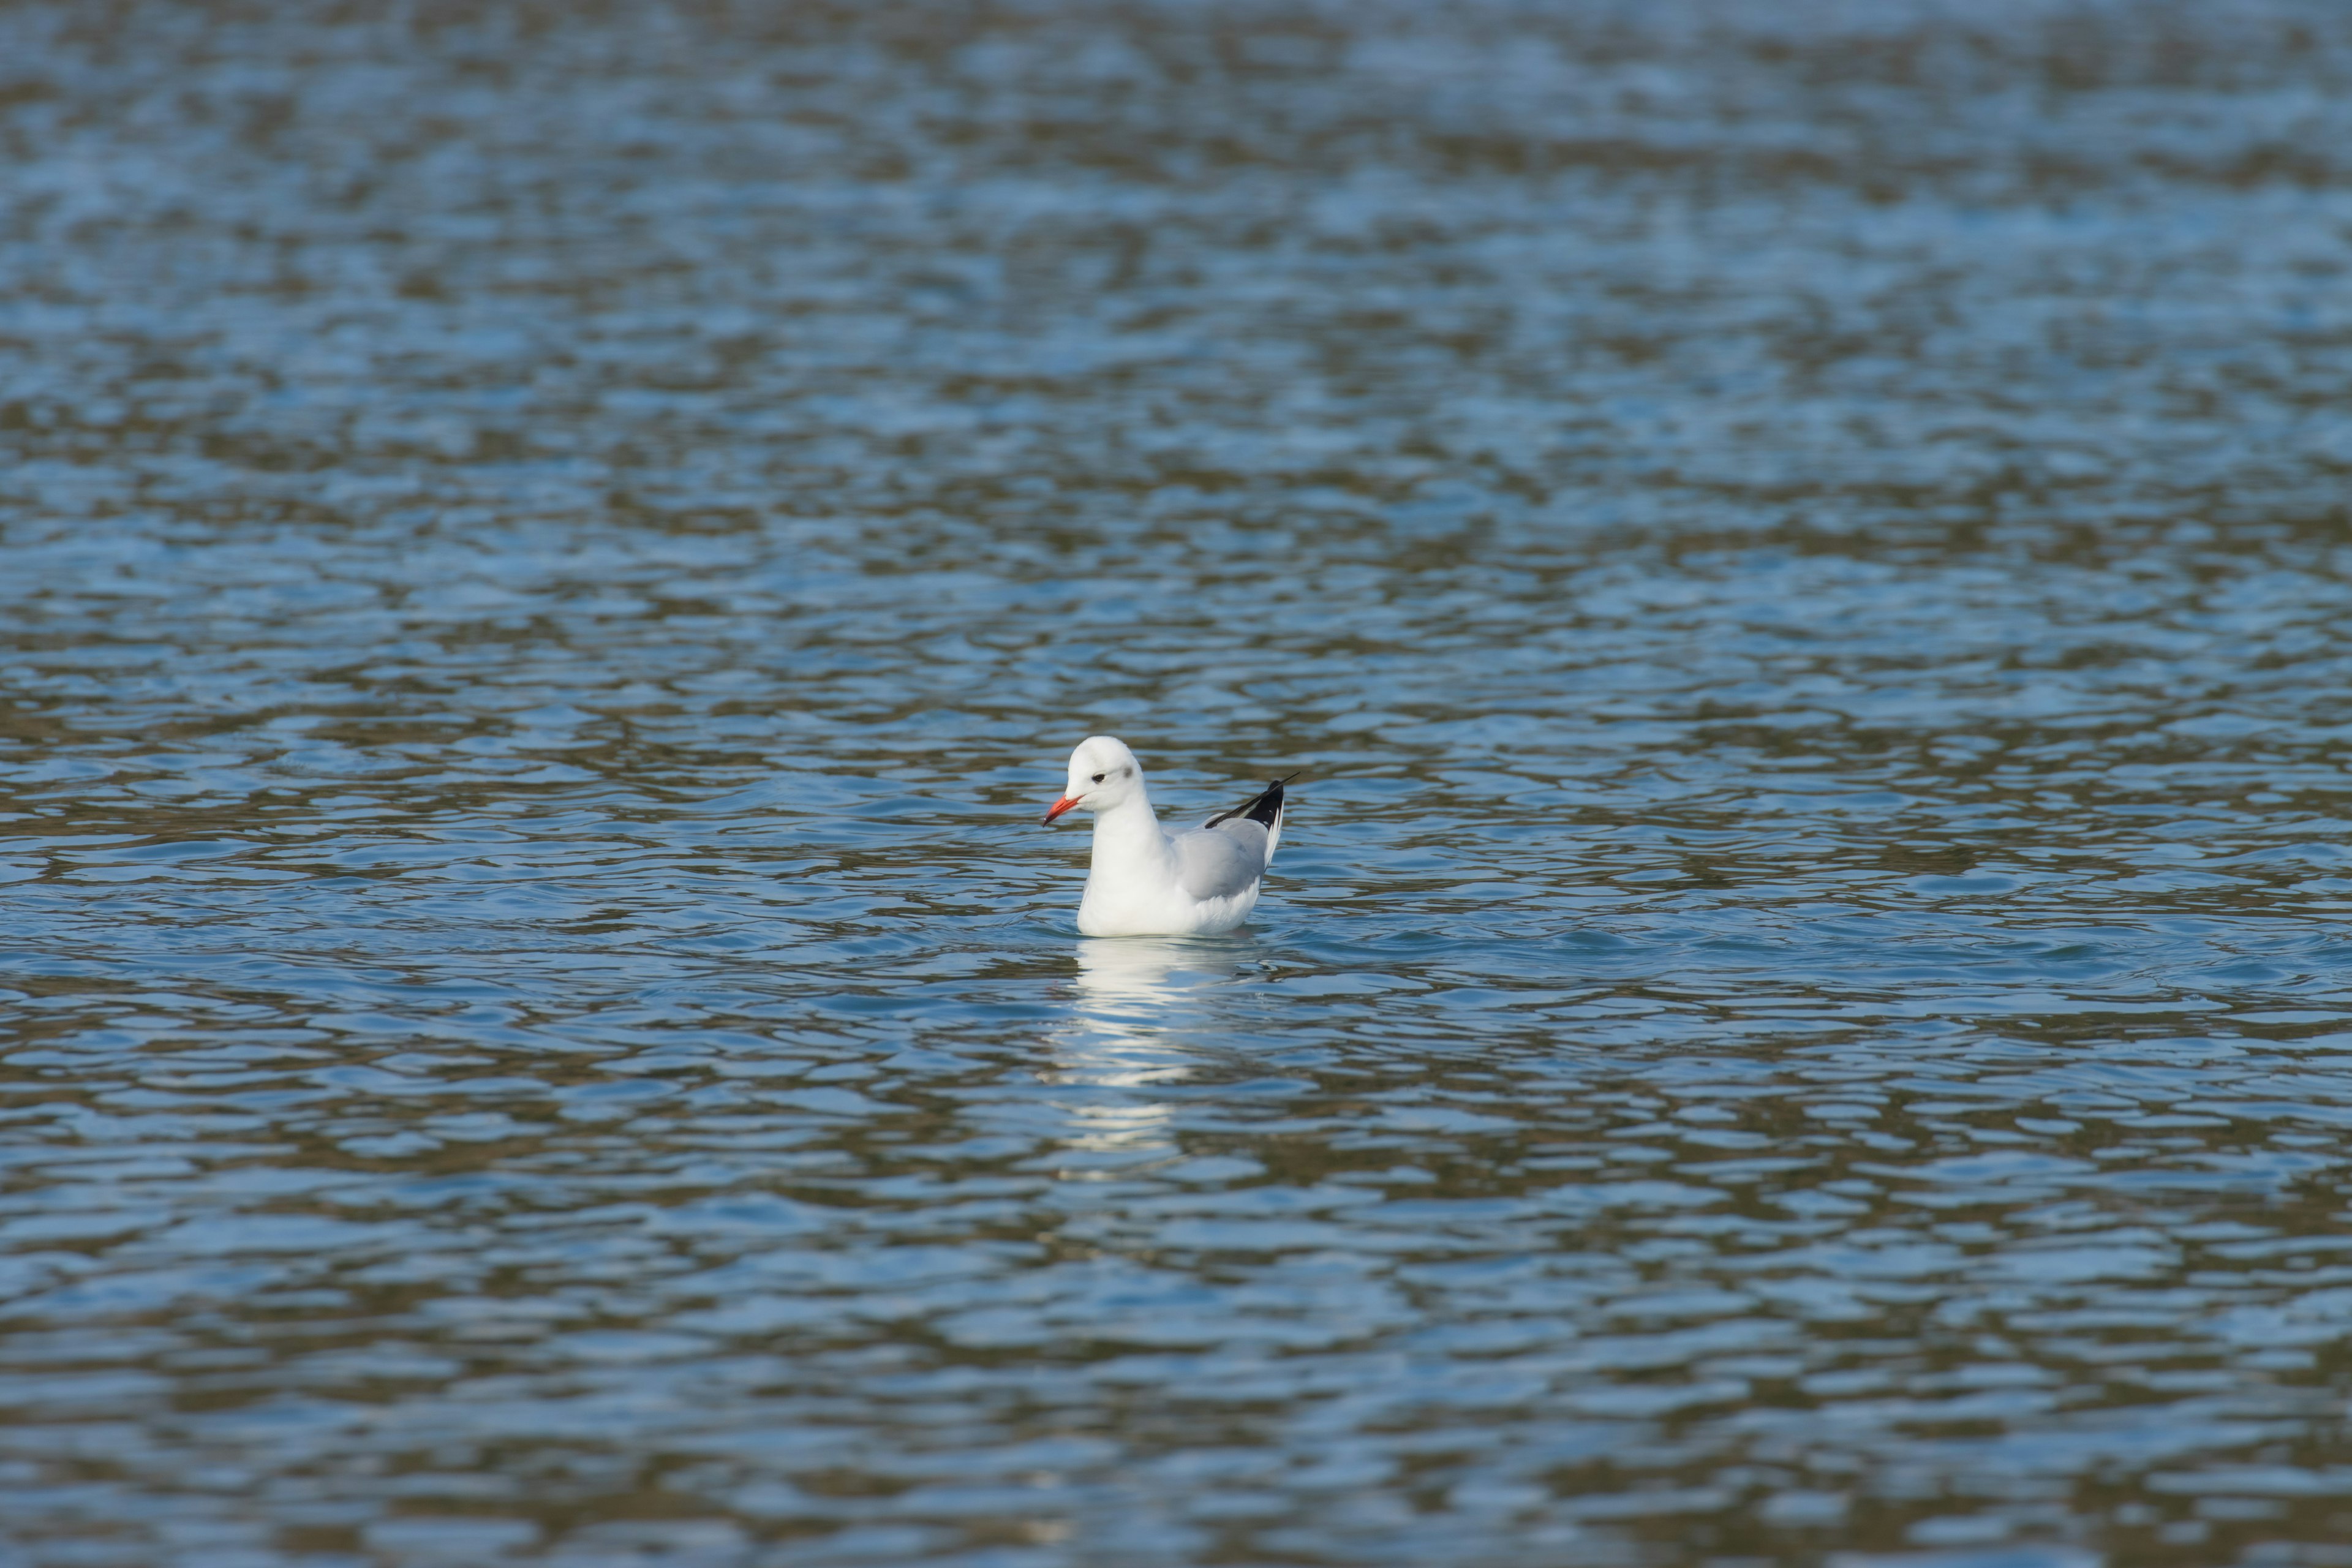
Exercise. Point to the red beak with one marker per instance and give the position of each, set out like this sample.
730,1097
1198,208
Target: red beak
1059,808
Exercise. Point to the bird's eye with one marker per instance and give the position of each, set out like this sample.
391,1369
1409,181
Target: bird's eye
1099,777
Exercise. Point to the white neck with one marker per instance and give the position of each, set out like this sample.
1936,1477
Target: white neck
1129,834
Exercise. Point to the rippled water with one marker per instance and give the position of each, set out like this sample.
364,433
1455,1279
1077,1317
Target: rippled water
548,563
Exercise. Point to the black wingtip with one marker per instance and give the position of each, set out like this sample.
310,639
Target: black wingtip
1263,807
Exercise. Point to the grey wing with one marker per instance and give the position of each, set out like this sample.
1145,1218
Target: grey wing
1218,862
1264,808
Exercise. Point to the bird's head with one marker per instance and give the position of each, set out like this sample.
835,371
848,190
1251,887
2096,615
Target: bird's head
1103,774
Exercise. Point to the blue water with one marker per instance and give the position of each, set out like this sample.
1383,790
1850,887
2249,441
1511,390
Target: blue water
549,563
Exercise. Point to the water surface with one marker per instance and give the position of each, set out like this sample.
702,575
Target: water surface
548,562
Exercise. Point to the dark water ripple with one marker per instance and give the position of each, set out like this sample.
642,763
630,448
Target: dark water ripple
548,560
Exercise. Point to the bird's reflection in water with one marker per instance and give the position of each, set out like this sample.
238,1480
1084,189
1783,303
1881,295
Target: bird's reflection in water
1140,1007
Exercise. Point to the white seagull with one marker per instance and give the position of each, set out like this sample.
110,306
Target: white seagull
1148,881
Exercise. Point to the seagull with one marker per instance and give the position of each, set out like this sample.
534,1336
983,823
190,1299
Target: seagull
1148,881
